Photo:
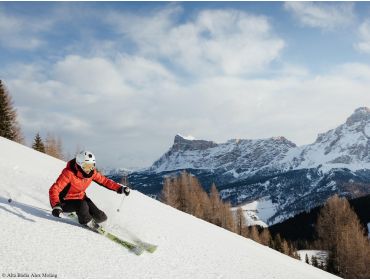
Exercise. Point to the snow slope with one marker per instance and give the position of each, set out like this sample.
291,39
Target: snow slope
32,241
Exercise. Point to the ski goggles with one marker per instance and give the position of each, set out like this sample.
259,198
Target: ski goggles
87,167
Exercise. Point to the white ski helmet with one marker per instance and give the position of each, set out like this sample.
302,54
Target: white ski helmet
85,157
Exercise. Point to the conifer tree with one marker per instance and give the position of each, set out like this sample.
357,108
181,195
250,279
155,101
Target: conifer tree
227,219
38,144
240,222
197,198
277,243
254,234
341,233
265,237
285,247
204,201
190,195
53,146
293,252
9,127
215,202
314,261
168,192
185,193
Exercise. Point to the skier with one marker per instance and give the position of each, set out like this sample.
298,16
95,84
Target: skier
67,194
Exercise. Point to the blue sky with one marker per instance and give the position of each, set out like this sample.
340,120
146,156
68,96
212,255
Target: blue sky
122,78
299,37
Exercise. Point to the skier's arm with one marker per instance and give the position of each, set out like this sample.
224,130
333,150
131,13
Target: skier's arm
62,181
105,182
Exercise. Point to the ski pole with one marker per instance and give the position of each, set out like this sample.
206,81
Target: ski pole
120,205
115,216
123,184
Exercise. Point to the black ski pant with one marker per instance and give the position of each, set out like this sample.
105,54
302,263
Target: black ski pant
85,210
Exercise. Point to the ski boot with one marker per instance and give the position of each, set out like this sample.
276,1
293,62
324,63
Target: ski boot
94,226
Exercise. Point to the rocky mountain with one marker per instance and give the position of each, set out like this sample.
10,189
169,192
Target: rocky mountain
346,146
236,158
288,177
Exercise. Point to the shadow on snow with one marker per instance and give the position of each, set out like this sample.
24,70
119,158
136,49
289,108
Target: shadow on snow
22,210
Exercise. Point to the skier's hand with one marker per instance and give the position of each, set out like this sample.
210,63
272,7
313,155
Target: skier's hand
124,189
57,210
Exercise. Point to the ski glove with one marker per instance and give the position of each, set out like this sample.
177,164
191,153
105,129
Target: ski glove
57,210
124,189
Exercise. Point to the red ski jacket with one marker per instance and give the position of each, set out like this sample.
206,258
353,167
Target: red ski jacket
73,182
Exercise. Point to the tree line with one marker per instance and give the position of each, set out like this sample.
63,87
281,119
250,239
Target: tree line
339,231
185,193
51,146
10,128
340,234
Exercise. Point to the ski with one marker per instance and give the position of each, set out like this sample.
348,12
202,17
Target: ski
146,246
135,248
149,247
138,250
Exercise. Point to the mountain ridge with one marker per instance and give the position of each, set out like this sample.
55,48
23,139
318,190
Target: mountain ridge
295,178
295,157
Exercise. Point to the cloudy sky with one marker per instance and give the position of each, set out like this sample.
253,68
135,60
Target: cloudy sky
122,79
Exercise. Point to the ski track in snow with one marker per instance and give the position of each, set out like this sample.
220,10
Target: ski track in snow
33,241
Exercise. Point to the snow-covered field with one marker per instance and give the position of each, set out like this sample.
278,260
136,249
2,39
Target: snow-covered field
32,241
259,211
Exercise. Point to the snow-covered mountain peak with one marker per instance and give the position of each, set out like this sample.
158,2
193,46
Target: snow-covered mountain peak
189,137
361,114
187,143
283,140
347,146
295,178
233,157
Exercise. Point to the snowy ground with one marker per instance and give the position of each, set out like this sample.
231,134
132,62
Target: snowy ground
320,255
259,211
32,241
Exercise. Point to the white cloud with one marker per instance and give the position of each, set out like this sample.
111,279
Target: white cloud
20,32
364,37
291,70
138,117
93,98
89,76
37,120
141,72
323,15
354,71
213,42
